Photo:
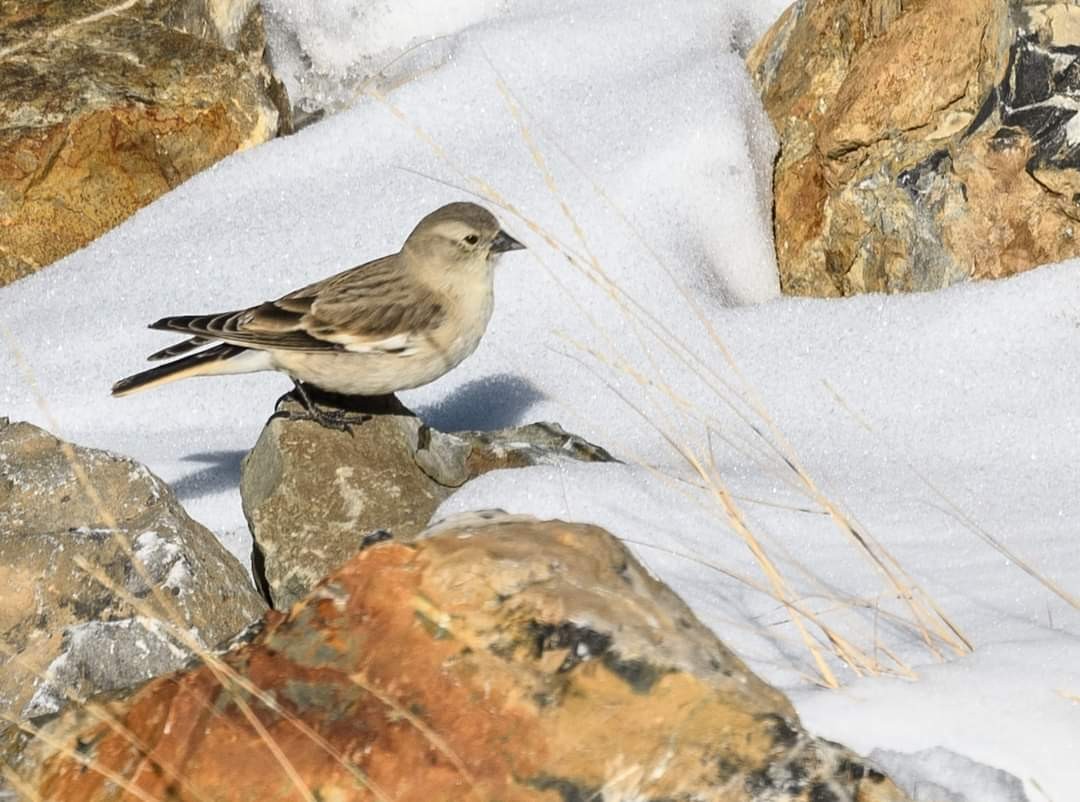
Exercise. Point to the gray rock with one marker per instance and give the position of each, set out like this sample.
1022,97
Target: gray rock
102,656
71,634
453,459
311,494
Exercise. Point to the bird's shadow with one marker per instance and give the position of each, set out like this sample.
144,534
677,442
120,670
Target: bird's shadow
222,472
493,402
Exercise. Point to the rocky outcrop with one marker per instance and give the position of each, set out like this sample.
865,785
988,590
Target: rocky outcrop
104,107
921,143
312,494
66,511
493,658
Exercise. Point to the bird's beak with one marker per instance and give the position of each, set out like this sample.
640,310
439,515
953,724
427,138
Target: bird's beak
504,242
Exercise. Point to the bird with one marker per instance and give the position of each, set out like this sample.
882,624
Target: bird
394,323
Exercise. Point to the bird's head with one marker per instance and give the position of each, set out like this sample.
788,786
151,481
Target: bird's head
460,236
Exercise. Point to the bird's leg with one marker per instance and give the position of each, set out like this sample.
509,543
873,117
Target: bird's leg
305,399
337,419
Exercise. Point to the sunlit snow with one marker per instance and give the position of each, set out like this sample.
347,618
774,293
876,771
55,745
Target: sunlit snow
930,421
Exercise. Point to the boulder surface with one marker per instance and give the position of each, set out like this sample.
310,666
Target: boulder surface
921,143
102,111
495,657
63,632
312,494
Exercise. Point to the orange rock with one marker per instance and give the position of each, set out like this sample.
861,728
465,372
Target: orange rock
498,658
921,143
101,114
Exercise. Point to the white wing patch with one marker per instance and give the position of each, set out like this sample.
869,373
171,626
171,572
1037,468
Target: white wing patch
403,344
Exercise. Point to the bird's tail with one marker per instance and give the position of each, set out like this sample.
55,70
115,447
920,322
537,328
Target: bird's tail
210,362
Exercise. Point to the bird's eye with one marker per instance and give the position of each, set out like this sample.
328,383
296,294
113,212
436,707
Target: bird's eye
472,239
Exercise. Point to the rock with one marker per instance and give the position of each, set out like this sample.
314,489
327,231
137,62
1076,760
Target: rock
100,112
496,657
311,494
71,633
921,143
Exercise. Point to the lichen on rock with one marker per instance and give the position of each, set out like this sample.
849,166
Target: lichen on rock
494,657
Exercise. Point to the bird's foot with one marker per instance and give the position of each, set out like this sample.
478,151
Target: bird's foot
337,419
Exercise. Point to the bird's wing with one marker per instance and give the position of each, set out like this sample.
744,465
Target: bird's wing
179,349
369,308
262,326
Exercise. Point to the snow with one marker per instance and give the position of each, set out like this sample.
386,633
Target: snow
923,772
650,133
324,51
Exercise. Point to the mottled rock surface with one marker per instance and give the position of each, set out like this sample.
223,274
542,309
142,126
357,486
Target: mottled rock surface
494,658
101,112
311,494
921,143
70,632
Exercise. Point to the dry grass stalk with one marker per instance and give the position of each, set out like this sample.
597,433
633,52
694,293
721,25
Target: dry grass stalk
63,29
932,620
239,686
16,782
74,754
99,713
959,514
856,659
778,587
421,726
